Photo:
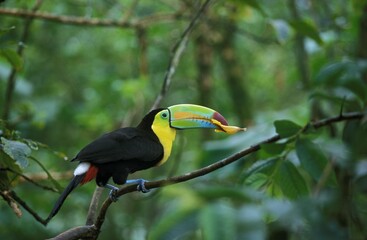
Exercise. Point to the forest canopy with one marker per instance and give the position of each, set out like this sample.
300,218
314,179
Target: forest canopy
293,72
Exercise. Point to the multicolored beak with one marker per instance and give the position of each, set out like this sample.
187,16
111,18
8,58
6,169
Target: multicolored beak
188,116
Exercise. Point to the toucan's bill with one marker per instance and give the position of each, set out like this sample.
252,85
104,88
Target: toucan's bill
186,116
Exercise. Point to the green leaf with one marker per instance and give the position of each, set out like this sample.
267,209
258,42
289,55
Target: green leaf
344,74
330,74
358,87
214,215
265,183
312,159
257,180
273,148
13,58
323,95
274,190
170,221
286,128
266,167
355,136
291,182
5,162
307,29
18,151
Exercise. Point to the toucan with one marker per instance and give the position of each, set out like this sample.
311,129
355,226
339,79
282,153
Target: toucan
126,150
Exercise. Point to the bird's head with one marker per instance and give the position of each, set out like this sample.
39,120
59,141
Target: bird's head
164,122
189,116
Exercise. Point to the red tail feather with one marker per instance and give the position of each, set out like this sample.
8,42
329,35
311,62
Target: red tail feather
90,174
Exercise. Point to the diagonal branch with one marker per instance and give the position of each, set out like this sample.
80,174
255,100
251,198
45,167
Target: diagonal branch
178,50
26,207
222,163
96,227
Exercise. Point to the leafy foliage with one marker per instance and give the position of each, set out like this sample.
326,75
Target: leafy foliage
312,159
18,151
14,59
286,128
75,82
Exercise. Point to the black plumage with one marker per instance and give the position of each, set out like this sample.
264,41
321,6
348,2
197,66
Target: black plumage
116,154
123,151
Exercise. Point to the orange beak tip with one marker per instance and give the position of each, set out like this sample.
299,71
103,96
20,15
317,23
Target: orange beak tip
227,129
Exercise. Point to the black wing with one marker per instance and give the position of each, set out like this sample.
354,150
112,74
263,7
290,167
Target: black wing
122,145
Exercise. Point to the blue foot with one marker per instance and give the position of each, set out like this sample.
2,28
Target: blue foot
140,184
113,192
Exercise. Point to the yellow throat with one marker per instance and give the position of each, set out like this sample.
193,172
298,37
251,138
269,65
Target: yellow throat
165,134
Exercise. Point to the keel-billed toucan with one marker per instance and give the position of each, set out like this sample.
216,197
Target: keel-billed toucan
127,150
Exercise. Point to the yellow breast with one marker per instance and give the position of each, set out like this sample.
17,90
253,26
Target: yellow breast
166,136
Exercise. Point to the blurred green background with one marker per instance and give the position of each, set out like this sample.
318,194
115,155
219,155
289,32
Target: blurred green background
254,61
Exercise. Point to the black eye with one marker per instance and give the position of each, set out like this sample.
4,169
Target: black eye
164,115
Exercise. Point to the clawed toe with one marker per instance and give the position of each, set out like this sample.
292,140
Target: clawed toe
113,195
141,185
113,192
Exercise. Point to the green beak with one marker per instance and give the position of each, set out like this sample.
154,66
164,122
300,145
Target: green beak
189,116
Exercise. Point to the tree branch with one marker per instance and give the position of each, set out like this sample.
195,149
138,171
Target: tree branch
205,170
92,22
26,207
220,164
341,117
29,179
177,52
76,233
92,211
11,202
12,76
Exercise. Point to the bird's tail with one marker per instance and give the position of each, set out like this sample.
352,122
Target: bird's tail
72,185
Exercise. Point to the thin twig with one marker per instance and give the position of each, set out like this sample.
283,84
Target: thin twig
340,117
178,49
11,202
26,207
12,76
130,11
92,22
41,176
328,170
29,179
